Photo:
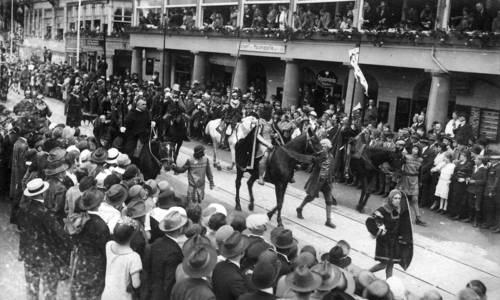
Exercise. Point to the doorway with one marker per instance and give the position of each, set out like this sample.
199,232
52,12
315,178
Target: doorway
121,62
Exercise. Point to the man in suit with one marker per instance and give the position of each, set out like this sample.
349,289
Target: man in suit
492,196
428,154
475,189
17,174
228,279
264,277
165,255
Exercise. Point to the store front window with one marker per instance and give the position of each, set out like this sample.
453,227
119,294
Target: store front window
148,13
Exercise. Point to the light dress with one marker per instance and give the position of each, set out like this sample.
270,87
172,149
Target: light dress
443,185
121,263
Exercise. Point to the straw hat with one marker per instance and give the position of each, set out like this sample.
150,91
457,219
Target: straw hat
35,187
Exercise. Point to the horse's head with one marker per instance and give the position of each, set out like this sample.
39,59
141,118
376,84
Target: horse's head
313,144
167,153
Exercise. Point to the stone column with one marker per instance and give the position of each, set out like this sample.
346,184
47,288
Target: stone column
240,75
136,63
439,95
291,84
165,68
54,26
443,14
353,87
199,67
109,61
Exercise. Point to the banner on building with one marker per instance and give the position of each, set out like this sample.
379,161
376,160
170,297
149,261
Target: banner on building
358,74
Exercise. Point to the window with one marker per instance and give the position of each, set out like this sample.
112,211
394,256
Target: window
122,19
323,16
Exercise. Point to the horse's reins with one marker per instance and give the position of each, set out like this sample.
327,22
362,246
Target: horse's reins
153,133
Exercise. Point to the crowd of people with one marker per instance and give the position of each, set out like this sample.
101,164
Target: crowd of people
377,15
87,213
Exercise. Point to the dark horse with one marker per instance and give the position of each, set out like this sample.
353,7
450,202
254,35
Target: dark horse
365,168
154,156
280,168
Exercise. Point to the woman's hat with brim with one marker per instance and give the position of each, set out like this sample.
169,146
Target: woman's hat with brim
135,209
266,270
123,160
200,261
117,194
330,275
35,187
234,245
283,239
56,168
302,279
99,156
90,200
172,221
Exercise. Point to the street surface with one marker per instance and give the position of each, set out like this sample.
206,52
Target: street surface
447,254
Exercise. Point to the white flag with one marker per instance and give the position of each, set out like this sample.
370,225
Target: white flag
358,74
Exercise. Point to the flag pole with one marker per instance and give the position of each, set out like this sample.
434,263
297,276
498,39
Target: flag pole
11,27
78,34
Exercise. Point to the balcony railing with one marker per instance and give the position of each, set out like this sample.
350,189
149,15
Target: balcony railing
465,39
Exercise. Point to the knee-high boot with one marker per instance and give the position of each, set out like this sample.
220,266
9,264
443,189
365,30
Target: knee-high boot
328,222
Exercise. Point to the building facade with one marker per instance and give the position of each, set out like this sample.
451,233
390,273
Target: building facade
103,28
433,69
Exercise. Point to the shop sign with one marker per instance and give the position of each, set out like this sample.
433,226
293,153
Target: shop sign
267,48
94,43
326,79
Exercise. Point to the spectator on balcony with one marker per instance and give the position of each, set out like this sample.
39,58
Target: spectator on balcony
282,18
247,17
188,20
233,16
218,21
175,19
495,26
369,16
426,17
308,22
325,19
298,17
481,21
258,18
272,16
383,16
346,23
412,19
464,22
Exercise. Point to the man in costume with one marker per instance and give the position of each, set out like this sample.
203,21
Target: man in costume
320,180
264,136
231,116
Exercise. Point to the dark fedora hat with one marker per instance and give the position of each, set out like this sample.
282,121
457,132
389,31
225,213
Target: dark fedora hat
283,239
167,199
267,270
54,168
234,245
99,156
90,199
336,256
135,209
302,279
200,261
56,155
116,194
196,239
86,183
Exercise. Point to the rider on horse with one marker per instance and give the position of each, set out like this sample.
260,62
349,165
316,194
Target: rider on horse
173,110
265,135
231,116
137,128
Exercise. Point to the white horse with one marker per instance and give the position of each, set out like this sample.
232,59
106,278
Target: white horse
240,131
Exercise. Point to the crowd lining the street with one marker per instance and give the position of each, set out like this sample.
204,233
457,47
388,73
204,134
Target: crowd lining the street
85,211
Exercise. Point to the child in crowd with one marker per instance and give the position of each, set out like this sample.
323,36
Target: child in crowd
198,167
446,168
123,265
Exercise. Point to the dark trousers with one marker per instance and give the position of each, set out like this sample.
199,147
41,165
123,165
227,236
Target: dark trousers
458,203
427,192
49,278
491,210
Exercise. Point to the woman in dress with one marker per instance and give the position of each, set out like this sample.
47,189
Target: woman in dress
383,224
88,264
409,180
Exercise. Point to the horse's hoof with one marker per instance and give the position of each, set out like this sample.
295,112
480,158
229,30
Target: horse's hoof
359,209
237,207
250,207
269,216
299,213
280,224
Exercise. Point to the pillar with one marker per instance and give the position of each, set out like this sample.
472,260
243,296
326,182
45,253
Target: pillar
443,14
165,68
439,95
240,76
54,26
136,63
291,84
355,88
199,67
109,61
